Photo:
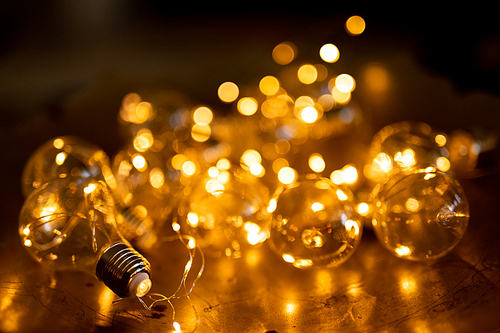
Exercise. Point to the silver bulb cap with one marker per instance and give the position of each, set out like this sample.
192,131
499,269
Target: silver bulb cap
124,270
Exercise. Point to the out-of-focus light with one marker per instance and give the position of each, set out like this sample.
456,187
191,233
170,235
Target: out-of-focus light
269,85
156,177
376,79
287,175
188,168
284,53
349,174
228,92
58,143
329,53
317,163
355,25
143,140
326,101
363,209
309,114
251,156
279,163
440,139
200,132
307,74
340,97
203,115
443,164
336,177
223,164
257,170
345,83
247,106
139,162
60,158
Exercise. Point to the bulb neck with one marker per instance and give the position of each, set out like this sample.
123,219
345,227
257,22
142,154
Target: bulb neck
120,267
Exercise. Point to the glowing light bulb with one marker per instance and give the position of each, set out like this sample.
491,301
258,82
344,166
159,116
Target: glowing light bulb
70,224
405,147
68,221
65,157
225,211
314,223
421,216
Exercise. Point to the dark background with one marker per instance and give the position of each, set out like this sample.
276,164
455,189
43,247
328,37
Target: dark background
66,65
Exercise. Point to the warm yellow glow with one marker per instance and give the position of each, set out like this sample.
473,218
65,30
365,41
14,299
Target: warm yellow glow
60,158
143,112
443,164
223,164
176,226
355,25
213,172
251,156
408,284
336,177
279,163
326,101
201,132
247,106
284,53
188,168
376,79
317,206
402,250
191,244
228,92
307,74
352,226
156,177
255,234
89,188
363,209
215,187
341,195
178,160
26,231
257,170
203,115
382,163
317,163
58,143
27,243
269,85
139,162
273,204
177,326
406,159
192,219
440,139
349,174
290,307
345,83
143,140
412,205
329,53
288,258
340,97
287,175
309,114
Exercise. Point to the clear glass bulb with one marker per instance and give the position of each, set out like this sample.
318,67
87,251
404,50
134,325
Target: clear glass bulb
421,216
405,147
65,156
68,204
314,223
225,211
70,224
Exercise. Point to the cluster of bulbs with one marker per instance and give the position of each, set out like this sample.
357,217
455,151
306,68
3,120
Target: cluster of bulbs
186,169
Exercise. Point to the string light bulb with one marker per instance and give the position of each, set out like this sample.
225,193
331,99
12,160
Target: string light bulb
314,223
421,216
225,211
68,217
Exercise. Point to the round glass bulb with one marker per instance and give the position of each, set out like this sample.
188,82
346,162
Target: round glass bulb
226,212
405,147
314,223
421,216
70,224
